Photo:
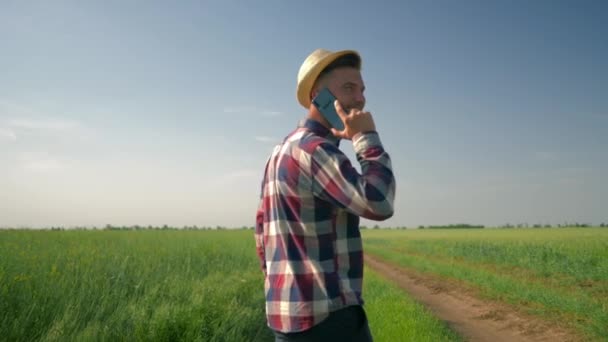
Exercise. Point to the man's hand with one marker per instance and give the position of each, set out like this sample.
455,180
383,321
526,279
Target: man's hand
354,122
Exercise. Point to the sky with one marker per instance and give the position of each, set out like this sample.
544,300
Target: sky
162,112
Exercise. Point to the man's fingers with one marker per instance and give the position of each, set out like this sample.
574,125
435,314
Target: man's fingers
339,134
339,109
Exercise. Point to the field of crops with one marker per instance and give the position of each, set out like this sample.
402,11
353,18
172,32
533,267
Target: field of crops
558,274
160,285
206,285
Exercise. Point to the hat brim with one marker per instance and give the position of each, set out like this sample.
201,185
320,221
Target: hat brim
305,85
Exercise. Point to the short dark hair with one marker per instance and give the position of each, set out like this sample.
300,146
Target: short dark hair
350,61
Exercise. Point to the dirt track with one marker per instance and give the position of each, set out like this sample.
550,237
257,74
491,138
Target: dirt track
471,317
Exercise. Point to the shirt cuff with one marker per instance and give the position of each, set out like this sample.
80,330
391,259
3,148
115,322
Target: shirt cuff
365,140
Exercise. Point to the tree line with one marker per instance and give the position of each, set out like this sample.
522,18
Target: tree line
449,226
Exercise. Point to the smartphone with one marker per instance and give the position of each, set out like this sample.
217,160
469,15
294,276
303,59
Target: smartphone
324,101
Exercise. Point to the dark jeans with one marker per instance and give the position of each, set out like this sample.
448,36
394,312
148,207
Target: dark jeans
348,324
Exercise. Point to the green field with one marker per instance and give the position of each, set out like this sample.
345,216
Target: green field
160,285
560,275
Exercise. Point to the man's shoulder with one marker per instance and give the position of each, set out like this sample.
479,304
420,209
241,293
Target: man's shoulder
307,141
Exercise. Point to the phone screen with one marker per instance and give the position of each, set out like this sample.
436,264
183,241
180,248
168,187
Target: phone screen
324,101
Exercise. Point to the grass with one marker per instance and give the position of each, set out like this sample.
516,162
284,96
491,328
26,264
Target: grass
558,274
161,286
127,285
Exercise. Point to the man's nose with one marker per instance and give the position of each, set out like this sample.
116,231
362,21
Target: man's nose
360,98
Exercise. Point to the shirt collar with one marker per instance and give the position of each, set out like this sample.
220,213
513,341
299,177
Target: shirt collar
317,128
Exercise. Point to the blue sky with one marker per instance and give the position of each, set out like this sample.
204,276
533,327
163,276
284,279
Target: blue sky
143,112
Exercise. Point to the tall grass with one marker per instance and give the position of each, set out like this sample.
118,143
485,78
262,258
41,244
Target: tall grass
127,285
559,274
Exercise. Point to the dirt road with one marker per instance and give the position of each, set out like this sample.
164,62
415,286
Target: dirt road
471,317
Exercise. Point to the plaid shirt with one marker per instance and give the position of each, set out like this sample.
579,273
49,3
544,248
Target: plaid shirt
307,224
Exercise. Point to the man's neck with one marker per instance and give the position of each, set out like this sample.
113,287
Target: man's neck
314,114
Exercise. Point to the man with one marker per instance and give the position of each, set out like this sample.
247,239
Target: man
307,224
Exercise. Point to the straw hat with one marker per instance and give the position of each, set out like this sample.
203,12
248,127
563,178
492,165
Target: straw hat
312,67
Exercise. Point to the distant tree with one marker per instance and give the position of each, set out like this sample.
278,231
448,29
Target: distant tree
376,226
420,227
363,227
